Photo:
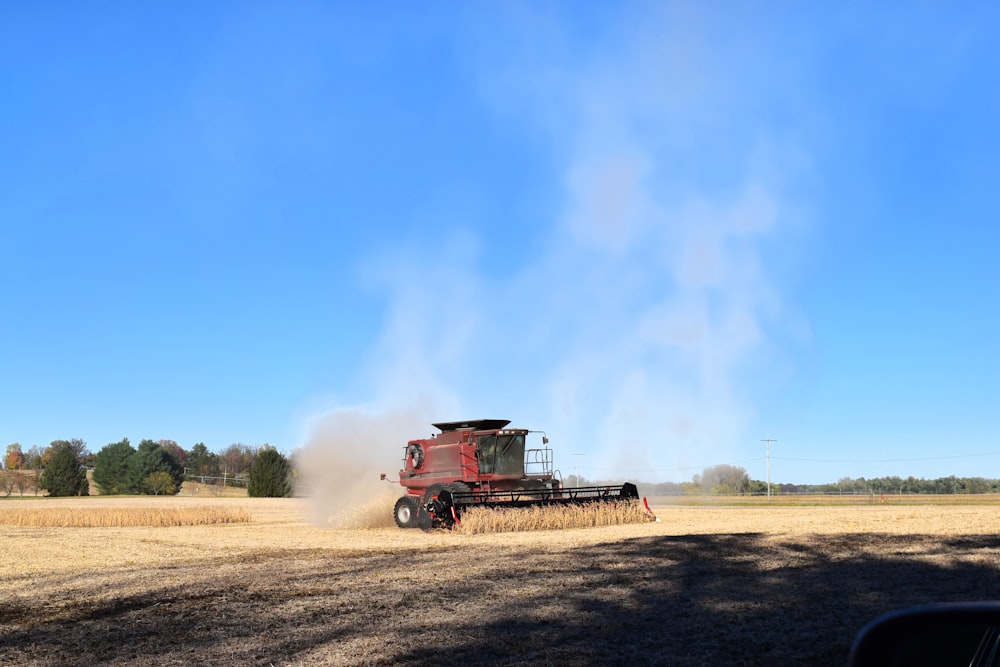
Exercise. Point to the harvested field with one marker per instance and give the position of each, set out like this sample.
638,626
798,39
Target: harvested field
748,585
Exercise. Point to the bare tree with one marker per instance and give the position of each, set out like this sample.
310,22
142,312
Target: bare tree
24,481
7,483
33,458
237,459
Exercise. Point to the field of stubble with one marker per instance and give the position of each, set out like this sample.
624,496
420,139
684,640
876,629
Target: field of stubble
749,585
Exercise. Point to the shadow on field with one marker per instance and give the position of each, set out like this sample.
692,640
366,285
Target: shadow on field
744,599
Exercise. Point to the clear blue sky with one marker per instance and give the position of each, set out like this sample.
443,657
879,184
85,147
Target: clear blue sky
659,231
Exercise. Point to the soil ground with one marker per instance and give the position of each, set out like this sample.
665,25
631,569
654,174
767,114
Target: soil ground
739,585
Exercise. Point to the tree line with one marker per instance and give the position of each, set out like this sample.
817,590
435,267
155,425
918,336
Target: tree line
899,485
733,480
152,468
160,467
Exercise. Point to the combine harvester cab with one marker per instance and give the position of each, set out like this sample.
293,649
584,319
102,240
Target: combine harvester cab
483,463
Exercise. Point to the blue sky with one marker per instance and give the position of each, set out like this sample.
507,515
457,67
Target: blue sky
658,231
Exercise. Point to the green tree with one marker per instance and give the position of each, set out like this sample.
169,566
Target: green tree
161,483
724,479
175,449
203,462
270,476
111,468
64,474
151,457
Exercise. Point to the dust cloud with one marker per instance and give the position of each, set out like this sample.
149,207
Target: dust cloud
640,303
344,454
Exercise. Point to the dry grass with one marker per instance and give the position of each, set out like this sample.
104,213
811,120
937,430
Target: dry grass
479,520
121,517
749,585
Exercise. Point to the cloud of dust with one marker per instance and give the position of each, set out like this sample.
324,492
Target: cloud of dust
630,324
346,450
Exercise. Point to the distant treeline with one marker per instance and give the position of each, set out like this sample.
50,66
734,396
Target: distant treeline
155,468
846,485
893,484
733,480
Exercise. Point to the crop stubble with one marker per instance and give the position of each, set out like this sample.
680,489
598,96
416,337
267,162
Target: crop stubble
739,585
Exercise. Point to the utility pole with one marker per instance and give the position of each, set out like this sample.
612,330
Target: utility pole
578,455
768,441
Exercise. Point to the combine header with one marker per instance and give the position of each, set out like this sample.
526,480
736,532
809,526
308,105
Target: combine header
482,463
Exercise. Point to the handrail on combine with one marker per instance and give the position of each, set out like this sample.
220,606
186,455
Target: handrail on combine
538,461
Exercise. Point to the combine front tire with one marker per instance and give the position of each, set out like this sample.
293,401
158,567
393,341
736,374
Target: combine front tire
406,512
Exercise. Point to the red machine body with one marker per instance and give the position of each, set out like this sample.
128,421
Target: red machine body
483,462
477,455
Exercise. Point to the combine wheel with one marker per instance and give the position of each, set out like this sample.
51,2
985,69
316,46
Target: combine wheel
432,492
407,512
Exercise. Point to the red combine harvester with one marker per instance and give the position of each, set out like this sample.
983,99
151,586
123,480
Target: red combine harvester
482,463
